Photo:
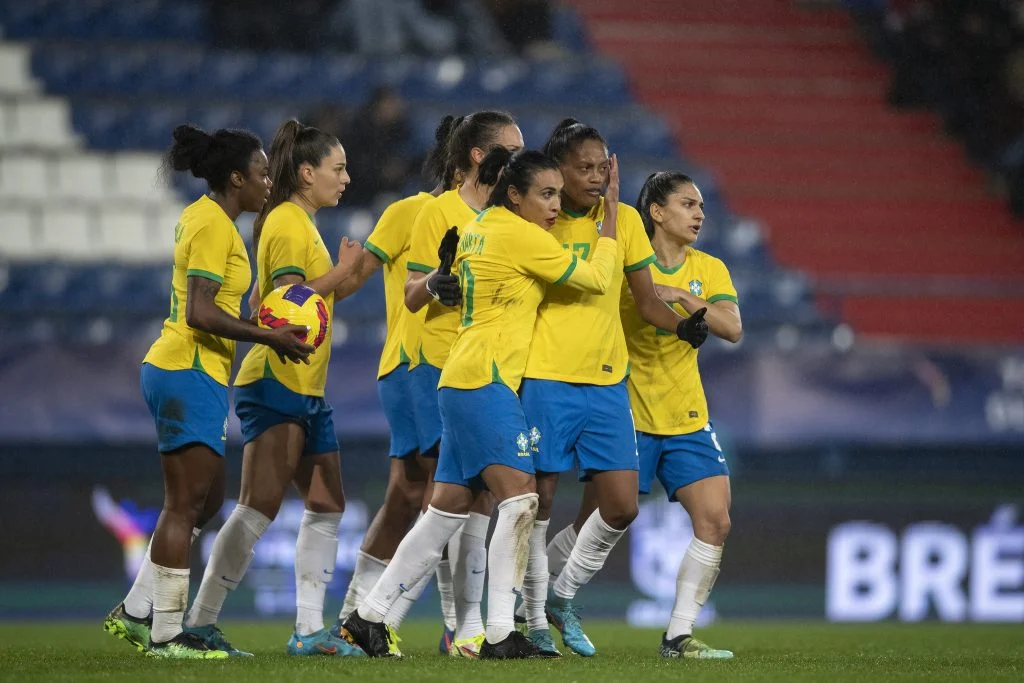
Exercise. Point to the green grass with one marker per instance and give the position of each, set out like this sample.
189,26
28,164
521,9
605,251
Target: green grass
765,651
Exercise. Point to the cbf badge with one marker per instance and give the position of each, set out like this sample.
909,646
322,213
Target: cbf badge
696,287
600,225
534,439
523,443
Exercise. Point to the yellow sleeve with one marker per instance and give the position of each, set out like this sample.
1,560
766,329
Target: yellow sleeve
720,288
637,249
282,251
541,256
208,252
389,236
427,232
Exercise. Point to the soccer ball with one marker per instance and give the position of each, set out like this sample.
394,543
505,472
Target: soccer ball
296,305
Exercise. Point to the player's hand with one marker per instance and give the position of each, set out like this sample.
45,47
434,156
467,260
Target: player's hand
350,254
254,301
447,249
694,330
444,288
287,342
611,193
668,294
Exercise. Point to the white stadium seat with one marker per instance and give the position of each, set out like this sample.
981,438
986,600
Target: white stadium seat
15,69
137,176
18,233
43,123
24,177
81,176
67,234
124,233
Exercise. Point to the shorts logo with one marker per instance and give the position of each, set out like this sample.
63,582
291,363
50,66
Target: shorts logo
696,287
224,434
694,413
523,444
534,439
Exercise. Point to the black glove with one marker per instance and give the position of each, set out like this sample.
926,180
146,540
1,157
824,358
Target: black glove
693,330
446,250
445,288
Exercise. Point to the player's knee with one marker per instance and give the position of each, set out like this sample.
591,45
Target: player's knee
621,515
405,495
326,505
713,527
266,505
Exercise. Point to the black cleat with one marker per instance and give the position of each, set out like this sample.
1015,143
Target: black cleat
376,639
515,646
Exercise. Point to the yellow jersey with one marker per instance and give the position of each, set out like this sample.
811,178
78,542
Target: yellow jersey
578,337
440,322
290,244
503,263
389,242
206,244
664,384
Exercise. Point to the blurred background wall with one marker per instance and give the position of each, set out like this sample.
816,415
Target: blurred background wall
861,163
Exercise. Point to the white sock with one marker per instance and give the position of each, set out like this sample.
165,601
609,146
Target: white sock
535,585
139,601
419,553
596,540
230,557
316,555
697,574
559,550
405,601
446,587
469,575
364,578
170,596
509,553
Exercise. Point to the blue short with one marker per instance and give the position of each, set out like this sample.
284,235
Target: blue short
679,460
482,427
423,384
396,398
267,403
585,426
189,407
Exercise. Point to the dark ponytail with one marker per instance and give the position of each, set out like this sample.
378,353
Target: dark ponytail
479,129
294,144
656,190
438,165
503,169
567,136
212,157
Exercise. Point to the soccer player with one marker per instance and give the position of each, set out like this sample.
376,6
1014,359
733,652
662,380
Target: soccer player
675,438
185,378
505,258
470,141
411,472
574,391
287,426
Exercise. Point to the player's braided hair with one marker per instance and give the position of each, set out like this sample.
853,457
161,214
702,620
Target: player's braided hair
212,156
438,165
478,130
656,190
567,136
294,144
503,169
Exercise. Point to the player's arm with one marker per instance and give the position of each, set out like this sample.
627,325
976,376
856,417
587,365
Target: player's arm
350,256
652,309
439,284
203,313
368,265
723,315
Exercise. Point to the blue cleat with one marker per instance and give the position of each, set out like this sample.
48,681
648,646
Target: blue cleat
541,637
325,642
563,616
214,639
447,638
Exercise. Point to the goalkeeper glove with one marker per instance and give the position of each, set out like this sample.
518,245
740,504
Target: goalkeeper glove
693,330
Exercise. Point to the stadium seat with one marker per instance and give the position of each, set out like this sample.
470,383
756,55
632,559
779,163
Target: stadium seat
67,233
124,232
82,177
15,73
24,176
18,233
161,232
44,122
4,117
137,176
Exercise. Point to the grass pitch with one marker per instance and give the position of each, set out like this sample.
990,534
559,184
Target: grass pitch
765,651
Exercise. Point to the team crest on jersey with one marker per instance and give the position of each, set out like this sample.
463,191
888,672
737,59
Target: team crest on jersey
534,439
600,225
523,444
696,287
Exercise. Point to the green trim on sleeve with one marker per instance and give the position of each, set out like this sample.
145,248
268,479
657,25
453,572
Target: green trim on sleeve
568,271
205,274
724,297
287,270
376,251
641,264
418,267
